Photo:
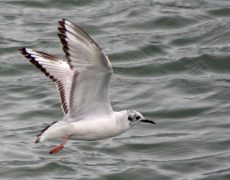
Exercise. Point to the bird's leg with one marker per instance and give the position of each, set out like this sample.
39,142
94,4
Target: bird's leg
59,147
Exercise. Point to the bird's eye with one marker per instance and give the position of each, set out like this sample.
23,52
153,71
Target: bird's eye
130,118
138,117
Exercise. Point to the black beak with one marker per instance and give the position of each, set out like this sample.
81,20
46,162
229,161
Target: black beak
148,121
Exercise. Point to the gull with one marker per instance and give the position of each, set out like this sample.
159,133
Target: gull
82,81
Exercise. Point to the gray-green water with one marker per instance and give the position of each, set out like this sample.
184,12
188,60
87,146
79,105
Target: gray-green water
171,61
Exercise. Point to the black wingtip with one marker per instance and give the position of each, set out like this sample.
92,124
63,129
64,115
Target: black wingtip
37,140
62,22
22,50
61,30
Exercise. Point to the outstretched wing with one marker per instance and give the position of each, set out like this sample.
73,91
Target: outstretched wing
83,80
91,72
56,69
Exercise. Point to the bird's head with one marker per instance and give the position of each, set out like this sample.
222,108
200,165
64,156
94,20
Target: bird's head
135,117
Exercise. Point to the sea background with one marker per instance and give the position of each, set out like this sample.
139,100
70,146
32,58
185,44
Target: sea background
171,61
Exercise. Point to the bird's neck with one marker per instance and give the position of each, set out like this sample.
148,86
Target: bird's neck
121,118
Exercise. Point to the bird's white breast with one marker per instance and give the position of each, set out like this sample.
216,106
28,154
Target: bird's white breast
98,128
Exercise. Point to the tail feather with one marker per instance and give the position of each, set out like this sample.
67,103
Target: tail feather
42,132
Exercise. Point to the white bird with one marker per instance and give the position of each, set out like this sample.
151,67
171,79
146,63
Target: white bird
82,82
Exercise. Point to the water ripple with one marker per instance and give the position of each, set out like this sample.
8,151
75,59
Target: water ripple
171,62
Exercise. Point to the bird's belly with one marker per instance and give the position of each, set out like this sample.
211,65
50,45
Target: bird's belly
91,136
91,131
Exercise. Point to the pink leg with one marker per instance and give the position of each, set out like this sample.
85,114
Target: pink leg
60,147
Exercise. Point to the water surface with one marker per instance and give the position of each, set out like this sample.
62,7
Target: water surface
171,61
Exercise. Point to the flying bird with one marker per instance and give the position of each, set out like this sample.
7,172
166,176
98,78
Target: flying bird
82,81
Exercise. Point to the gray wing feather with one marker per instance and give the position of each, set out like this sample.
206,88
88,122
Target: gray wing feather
92,72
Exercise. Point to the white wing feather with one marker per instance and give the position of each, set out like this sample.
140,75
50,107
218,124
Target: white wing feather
57,70
83,80
92,72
